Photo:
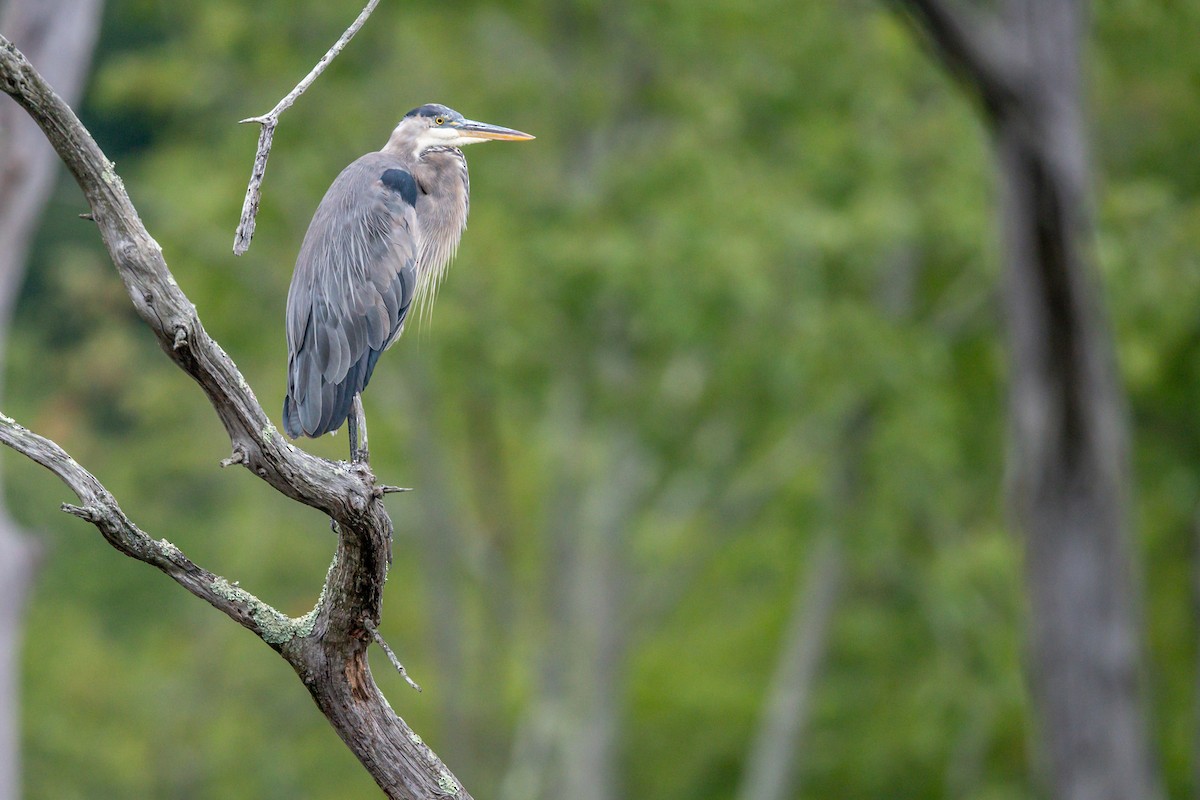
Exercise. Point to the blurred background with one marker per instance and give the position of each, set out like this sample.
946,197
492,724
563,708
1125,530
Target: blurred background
706,430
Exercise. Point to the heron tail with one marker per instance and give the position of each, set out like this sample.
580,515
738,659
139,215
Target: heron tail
291,418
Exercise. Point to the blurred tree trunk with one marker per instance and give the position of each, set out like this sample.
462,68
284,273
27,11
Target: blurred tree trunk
1068,463
17,560
441,545
58,36
460,550
774,758
597,582
567,744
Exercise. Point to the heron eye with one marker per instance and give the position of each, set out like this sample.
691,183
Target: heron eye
439,120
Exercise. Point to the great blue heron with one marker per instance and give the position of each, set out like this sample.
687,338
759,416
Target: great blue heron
380,240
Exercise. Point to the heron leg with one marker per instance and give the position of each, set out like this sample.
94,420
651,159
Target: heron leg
359,454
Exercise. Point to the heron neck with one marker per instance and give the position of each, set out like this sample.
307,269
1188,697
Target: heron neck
442,207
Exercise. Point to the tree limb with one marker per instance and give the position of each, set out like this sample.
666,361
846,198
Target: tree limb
328,651
245,228
100,508
391,654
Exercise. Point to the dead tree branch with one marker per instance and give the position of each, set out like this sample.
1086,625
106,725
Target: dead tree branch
100,508
391,654
266,135
327,647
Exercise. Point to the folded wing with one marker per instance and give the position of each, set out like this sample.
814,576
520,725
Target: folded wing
354,283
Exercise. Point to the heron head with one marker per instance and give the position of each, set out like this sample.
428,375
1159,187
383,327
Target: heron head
434,125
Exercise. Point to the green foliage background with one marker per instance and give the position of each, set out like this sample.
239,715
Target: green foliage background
738,296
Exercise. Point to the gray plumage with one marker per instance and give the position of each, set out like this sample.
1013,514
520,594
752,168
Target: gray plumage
379,242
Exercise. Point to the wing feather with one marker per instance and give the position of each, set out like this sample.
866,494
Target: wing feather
353,285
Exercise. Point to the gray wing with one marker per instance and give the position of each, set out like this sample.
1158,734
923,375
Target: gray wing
354,282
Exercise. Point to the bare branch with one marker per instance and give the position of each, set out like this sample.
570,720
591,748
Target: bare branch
236,457
100,508
379,640
268,121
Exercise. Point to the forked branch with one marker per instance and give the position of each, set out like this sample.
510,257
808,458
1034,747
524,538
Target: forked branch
266,135
100,508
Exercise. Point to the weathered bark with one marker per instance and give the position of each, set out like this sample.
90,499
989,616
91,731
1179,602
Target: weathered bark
60,36
1068,462
327,647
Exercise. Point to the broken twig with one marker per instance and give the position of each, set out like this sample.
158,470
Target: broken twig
245,228
391,656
